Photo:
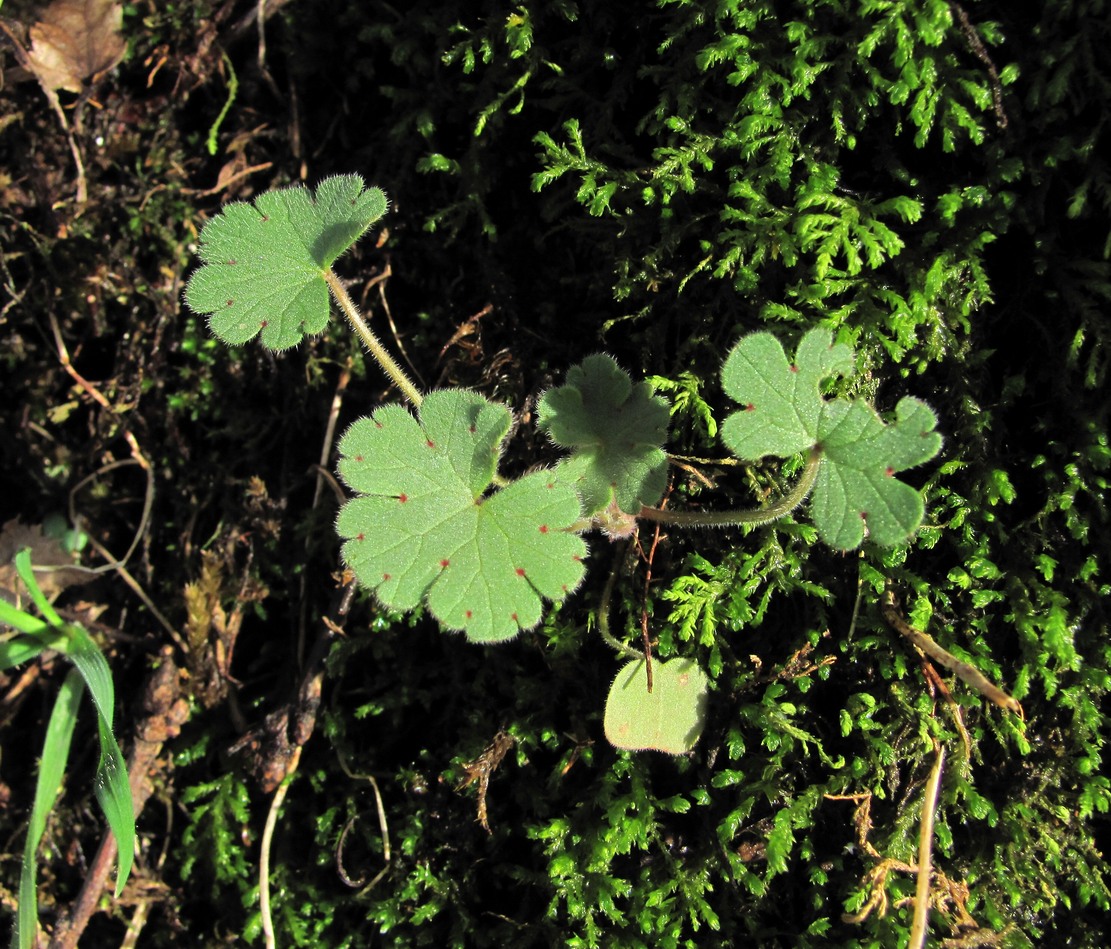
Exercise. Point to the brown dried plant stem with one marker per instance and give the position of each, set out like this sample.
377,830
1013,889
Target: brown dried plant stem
322,476
927,645
918,927
383,828
264,848
138,458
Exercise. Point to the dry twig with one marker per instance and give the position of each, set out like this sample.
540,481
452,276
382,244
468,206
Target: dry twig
383,828
917,937
959,667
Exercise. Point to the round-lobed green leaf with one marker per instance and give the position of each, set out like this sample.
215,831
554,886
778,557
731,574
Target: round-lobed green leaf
615,430
784,413
423,528
264,263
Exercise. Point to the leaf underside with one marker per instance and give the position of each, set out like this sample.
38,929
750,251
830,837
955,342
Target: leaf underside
264,263
422,527
783,413
670,718
616,431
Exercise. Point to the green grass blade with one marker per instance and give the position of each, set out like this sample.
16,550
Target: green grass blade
27,575
114,794
55,751
17,619
18,650
112,788
84,653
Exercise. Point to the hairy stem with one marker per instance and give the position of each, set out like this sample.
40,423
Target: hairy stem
377,350
604,610
754,516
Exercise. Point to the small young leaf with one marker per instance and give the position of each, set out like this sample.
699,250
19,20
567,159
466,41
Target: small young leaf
784,413
782,403
264,263
421,526
616,431
857,485
669,718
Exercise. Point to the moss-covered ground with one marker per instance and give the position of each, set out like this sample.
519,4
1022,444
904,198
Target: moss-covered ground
651,179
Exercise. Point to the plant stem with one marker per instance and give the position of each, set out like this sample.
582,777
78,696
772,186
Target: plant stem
604,610
377,350
753,516
264,850
917,937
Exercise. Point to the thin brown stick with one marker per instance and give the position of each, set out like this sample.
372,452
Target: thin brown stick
245,23
112,563
264,848
691,470
647,642
918,927
380,281
148,498
383,828
93,392
972,38
862,819
227,182
647,647
958,667
322,475
144,518
938,683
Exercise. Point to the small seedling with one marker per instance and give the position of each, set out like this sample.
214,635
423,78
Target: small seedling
858,455
433,521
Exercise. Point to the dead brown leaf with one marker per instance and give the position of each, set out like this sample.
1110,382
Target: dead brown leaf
48,560
74,40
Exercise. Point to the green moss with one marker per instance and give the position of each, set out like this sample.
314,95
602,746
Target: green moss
655,180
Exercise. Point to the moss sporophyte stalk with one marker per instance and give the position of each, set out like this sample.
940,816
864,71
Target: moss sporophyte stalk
433,522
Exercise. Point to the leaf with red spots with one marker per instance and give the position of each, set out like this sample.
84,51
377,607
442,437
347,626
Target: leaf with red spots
784,413
669,718
616,431
782,402
856,483
264,263
482,563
